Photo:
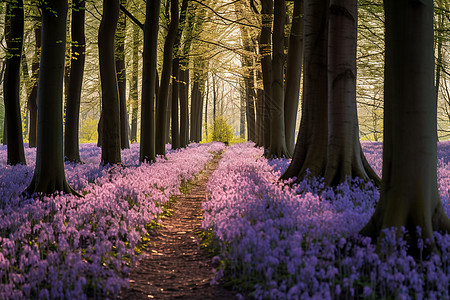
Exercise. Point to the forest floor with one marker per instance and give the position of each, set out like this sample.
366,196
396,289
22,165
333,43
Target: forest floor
174,265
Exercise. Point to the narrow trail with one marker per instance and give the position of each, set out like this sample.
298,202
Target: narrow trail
175,267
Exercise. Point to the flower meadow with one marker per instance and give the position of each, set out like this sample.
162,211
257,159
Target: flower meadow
278,241
68,247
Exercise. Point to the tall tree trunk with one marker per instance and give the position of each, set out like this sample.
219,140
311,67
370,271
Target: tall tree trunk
409,194
310,151
206,107
266,65
121,78
134,84
250,104
49,174
277,146
344,157
32,99
149,82
14,42
110,94
242,110
71,146
161,105
199,111
175,129
293,75
259,111
184,113
181,90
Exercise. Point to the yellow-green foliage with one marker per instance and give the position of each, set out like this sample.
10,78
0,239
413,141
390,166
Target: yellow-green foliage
88,131
220,131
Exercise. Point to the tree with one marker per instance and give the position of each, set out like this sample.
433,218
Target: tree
277,147
32,99
328,143
266,65
344,154
149,81
49,174
161,105
409,195
311,148
11,86
121,77
134,84
110,96
71,138
293,75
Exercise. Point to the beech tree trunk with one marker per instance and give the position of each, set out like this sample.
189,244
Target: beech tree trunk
345,158
71,144
11,86
134,85
161,104
175,125
266,65
184,113
409,193
121,78
32,99
149,82
108,78
277,147
49,174
293,75
310,151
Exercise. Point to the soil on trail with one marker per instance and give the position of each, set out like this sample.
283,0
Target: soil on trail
174,266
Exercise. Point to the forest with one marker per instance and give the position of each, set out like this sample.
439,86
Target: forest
246,149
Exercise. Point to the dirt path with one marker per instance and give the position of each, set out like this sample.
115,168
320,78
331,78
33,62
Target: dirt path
176,267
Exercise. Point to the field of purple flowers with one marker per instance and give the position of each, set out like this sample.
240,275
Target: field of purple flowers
67,247
291,243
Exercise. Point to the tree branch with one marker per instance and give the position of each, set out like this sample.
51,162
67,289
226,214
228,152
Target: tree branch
133,18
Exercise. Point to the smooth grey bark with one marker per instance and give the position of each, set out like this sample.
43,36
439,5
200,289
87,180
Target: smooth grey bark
108,78
409,194
11,87
277,147
71,144
345,158
149,82
293,75
49,174
161,104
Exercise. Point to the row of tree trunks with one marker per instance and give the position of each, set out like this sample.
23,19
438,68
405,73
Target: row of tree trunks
14,42
71,144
